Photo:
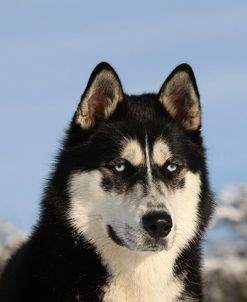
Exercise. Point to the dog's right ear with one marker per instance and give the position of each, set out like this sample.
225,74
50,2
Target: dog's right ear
100,98
180,97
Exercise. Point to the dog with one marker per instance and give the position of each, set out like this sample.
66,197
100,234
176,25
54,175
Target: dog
127,203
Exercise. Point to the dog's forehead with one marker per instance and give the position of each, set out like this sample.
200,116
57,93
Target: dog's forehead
161,152
136,152
133,151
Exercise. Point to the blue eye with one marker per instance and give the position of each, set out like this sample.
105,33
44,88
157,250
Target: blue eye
172,167
120,167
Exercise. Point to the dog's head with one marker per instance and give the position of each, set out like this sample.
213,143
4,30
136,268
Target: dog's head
134,164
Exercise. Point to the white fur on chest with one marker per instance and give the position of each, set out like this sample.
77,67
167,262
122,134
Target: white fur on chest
138,278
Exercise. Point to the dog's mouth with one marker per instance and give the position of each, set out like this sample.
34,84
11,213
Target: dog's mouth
148,246
114,237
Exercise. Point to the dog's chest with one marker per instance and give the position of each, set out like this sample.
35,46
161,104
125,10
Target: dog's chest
143,283
140,291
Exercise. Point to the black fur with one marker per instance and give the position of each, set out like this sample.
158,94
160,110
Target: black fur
58,265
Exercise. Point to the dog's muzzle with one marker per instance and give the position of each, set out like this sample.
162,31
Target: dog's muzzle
155,225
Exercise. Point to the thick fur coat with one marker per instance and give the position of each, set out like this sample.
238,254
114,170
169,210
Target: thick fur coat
125,208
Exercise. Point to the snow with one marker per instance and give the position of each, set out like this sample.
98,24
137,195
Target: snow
225,270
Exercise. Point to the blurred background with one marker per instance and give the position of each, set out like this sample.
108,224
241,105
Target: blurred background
47,52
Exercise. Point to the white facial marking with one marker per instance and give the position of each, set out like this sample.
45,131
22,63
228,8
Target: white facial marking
135,276
161,152
184,204
148,163
132,152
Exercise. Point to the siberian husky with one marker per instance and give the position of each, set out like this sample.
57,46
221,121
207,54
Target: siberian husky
126,206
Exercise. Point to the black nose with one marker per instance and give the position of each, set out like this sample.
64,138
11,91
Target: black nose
157,224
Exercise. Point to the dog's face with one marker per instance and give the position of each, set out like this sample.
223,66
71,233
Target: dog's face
135,165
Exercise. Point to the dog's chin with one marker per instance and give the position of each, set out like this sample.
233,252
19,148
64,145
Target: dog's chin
151,246
165,245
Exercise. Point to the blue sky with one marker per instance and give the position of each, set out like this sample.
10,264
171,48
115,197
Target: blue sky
49,48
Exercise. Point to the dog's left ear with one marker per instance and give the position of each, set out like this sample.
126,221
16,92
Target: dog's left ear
180,97
100,98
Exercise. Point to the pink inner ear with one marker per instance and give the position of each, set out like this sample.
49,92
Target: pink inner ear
179,106
96,106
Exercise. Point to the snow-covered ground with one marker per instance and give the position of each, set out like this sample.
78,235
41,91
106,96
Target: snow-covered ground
225,267
226,248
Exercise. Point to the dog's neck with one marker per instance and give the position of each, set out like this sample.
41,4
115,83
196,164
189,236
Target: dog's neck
139,277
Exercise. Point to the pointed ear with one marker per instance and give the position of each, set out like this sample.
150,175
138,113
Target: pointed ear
180,97
101,96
